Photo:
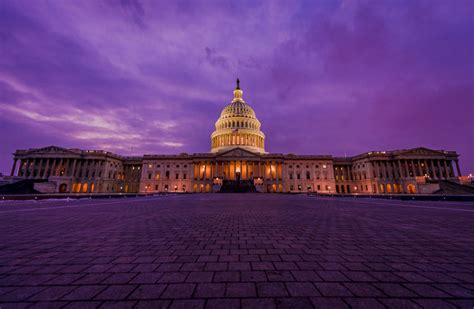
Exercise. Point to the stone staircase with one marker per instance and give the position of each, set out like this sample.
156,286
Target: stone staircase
447,187
25,186
237,186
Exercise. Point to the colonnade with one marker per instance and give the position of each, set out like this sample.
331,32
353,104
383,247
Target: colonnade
42,168
229,170
245,139
404,168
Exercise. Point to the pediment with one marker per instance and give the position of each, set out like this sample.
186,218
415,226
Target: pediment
237,152
420,151
52,150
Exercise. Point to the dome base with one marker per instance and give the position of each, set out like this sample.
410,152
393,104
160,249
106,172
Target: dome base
248,148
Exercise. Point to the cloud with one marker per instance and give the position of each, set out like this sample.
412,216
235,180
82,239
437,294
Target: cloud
330,77
215,60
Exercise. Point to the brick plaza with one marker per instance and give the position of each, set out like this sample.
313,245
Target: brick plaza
236,251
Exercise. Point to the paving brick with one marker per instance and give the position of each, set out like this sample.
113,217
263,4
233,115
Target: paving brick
272,289
279,275
305,275
187,304
435,303
240,290
219,303
293,302
210,290
255,276
305,289
364,303
227,276
51,293
328,303
173,277
258,303
363,289
239,266
152,304
262,266
179,290
83,304
332,289
425,290
118,304
148,291
119,278
146,278
398,303
200,276
86,292
394,290
193,266
216,266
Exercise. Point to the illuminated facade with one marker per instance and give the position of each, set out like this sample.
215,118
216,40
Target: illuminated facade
237,156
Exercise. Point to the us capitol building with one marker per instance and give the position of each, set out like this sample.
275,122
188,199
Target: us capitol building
236,162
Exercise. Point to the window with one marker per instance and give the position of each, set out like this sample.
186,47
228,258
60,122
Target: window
297,166
149,176
158,166
167,175
299,187
298,176
317,166
185,166
291,187
177,165
319,187
184,176
291,175
156,187
308,175
177,176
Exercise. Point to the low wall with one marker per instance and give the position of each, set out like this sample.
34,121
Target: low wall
45,187
77,196
405,197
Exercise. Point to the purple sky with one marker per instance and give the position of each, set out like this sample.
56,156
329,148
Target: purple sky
324,77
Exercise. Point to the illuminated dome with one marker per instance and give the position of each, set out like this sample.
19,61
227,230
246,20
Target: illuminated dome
238,126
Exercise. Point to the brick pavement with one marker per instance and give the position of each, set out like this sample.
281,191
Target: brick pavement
236,251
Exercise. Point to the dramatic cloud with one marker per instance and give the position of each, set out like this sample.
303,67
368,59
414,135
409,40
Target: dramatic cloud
324,77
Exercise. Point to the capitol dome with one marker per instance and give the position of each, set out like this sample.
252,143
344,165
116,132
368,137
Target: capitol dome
238,126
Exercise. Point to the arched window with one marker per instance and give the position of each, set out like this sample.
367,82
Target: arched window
233,123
